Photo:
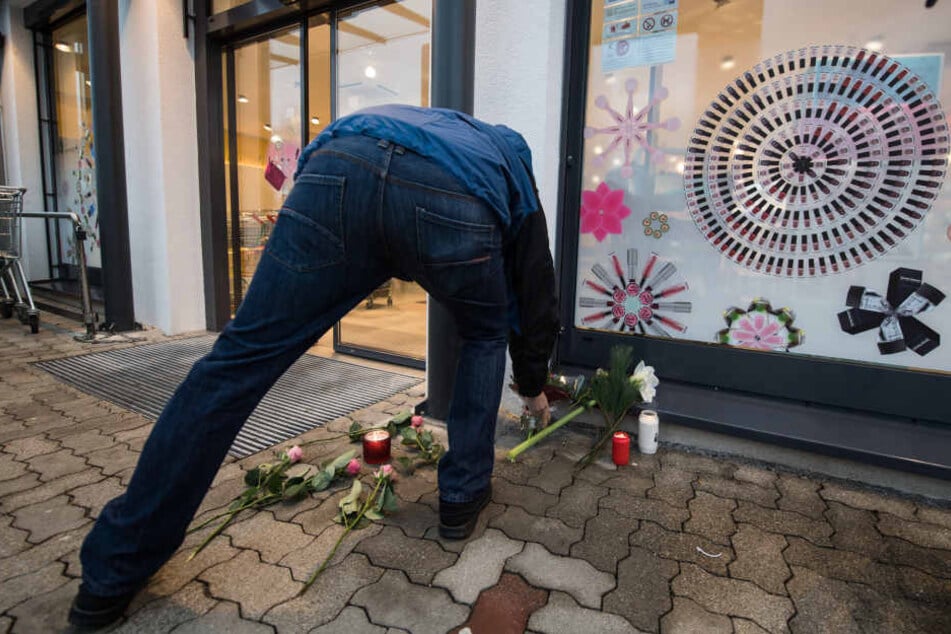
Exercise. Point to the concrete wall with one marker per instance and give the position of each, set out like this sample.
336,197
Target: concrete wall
158,102
21,136
518,81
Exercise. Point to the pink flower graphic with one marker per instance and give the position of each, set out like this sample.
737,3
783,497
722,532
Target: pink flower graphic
760,332
602,211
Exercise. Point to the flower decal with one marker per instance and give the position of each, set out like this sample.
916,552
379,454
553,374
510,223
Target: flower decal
602,211
760,327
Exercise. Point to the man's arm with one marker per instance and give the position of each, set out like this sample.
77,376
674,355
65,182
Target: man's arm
533,283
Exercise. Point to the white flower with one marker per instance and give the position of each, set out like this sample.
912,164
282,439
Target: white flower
646,381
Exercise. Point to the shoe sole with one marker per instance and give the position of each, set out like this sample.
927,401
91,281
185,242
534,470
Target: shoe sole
463,531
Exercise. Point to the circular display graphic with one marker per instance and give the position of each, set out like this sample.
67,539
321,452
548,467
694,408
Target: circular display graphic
816,161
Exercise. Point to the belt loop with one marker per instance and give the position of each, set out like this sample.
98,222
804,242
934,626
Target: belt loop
383,143
399,150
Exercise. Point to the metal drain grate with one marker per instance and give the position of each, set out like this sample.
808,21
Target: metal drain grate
311,393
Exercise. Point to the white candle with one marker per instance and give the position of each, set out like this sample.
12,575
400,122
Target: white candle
648,425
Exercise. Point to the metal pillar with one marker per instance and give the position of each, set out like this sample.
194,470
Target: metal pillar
104,68
452,87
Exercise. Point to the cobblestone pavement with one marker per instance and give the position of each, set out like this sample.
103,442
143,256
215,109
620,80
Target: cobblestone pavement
675,543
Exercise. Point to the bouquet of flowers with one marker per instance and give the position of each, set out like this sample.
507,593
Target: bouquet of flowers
613,391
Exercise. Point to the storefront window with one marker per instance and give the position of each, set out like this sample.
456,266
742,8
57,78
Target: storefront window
768,175
73,152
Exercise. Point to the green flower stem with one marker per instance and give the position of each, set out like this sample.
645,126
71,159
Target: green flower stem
349,527
609,430
230,516
561,422
337,437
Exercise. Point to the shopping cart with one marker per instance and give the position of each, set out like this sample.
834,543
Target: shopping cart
13,282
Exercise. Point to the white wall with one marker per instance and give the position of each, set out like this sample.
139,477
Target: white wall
21,139
158,103
518,81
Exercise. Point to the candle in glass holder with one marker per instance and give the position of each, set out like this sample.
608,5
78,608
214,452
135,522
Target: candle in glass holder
376,446
647,427
621,448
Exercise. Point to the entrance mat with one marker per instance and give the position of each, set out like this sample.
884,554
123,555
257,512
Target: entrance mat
314,391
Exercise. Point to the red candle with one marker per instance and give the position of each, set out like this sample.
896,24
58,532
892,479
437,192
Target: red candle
376,446
621,448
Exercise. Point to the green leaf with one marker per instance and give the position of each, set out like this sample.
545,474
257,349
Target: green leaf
252,477
426,439
355,491
392,429
320,481
363,523
293,491
355,432
373,515
410,436
341,461
292,481
407,465
402,419
389,503
276,483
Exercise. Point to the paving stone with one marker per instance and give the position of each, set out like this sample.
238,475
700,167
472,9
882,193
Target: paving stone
605,541
883,612
270,538
687,616
711,517
673,486
414,518
324,600
12,540
578,503
834,563
287,511
643,593
738,490
575,576
697,463
16,485
784,522
255,585
759,558
903,553
489,513
18,589
755,475
555,475
595,474
920,586
44,612
87,442
225,618
114,459
505,607
27,409
733,597
743,626
395,602
26,448
554,534
95,496
316,520
49,518
657,511
822,605
933,515
40,556
350,621
682,547
916,532
532,499
800,495
631,482
478,567
855,530
49,490
10,468
179,571
6,624
304,561
420,560
867,500
411,488
563,614
164,614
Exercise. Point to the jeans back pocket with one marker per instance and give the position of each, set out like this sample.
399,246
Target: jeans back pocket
309,231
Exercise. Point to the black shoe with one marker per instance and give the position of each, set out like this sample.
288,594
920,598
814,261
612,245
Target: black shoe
91,611
457,520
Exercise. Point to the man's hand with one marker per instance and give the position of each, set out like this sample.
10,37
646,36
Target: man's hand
537,406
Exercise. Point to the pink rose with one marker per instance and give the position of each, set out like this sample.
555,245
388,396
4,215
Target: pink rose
353,467
387,471
416,422
295,454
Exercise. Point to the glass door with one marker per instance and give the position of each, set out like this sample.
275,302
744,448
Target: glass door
382,56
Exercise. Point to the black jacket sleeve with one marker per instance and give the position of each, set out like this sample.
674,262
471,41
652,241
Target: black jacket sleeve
532,276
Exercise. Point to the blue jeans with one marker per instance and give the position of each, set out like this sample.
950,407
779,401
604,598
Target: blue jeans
362,211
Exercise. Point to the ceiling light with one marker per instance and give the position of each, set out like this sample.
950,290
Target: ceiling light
681,167
243,99
370,72
315,120
598,149
88,83
727,62
267,126
875,44
63,46
275,139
